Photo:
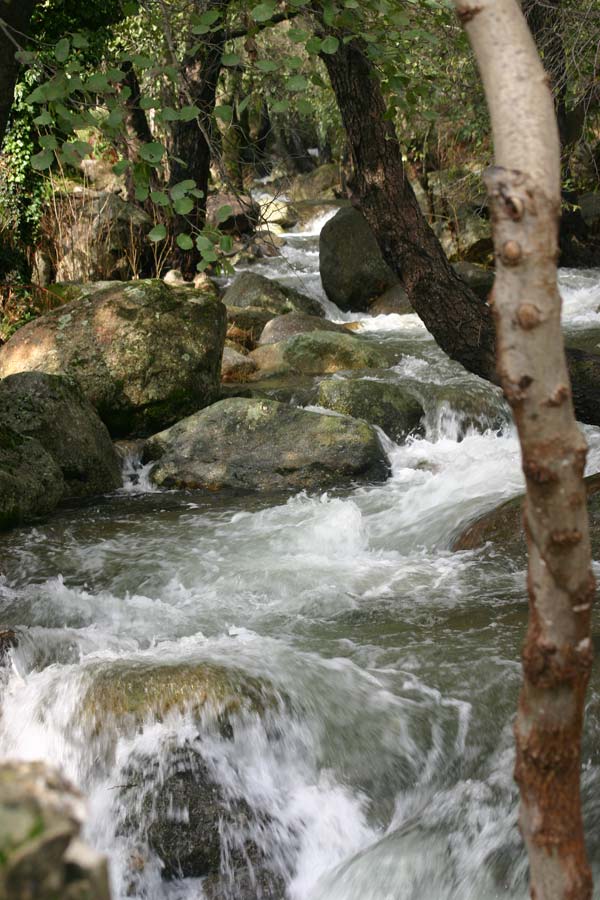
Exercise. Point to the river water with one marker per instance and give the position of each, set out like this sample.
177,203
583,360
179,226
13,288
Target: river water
384,771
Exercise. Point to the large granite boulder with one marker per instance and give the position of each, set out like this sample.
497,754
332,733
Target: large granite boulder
41,853
251,289
262,445
31,482
143,353
282,327
389,406
353,271
54,411
318,353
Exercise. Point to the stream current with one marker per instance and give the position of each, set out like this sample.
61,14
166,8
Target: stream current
386,771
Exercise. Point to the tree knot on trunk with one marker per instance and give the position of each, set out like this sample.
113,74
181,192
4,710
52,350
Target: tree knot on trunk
538,473
549,667
467,12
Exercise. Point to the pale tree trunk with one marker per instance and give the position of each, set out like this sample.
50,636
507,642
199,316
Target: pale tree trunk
524,190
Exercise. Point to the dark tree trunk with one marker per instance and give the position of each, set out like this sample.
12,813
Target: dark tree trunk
16,15
192,142
460,322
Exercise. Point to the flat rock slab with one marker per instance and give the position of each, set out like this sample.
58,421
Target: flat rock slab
318,353
256,445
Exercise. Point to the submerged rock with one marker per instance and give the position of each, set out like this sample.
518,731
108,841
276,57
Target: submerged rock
264,445
31,482
353,270
251,289
41,854
319,353
144,354
282,327
503,525
54,411
389,406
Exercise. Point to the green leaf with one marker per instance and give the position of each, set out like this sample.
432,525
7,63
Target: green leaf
149,103
226,243
62,50
230,59
80,42
48,142
185,241
330,45
152,152
184,206
180,189
44,118
267,65
160,198
224,213
209,256
264,11
97,82
224,113
121,167
296,83
188,113
210,17
158,233
280,106
42,160
203,243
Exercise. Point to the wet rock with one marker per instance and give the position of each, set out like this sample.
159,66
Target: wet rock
323,183
54,411
353,270
389,406
31,482
278,212
8,642
318,353
282,327
143,353
393,301
236,366
264,445
587,339
479,279
590,210
196,832
251,289
129,693
245,324
174,276
41,854
503,525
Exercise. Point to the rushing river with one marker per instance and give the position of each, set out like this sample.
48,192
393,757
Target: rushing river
385,772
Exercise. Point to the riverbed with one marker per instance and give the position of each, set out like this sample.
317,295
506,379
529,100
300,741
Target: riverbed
385,771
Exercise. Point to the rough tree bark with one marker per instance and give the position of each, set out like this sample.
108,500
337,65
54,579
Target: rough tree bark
460,322
524,189
15,16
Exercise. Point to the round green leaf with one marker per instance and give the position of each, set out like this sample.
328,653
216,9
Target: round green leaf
185,241
158,233
62,50
184,206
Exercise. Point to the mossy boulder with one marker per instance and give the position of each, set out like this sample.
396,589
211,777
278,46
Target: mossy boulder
389,406
587,339
318,353
129,693
323,183
251,289
41,853
31,482
258,445
282,327
503,525
143,353
54,411
353,271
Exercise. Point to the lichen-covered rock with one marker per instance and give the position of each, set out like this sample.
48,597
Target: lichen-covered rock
251,289
318,353
264,445
31,482
236,366
323,183
389,406
353,270
41,854
143,353
282,327
54,411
